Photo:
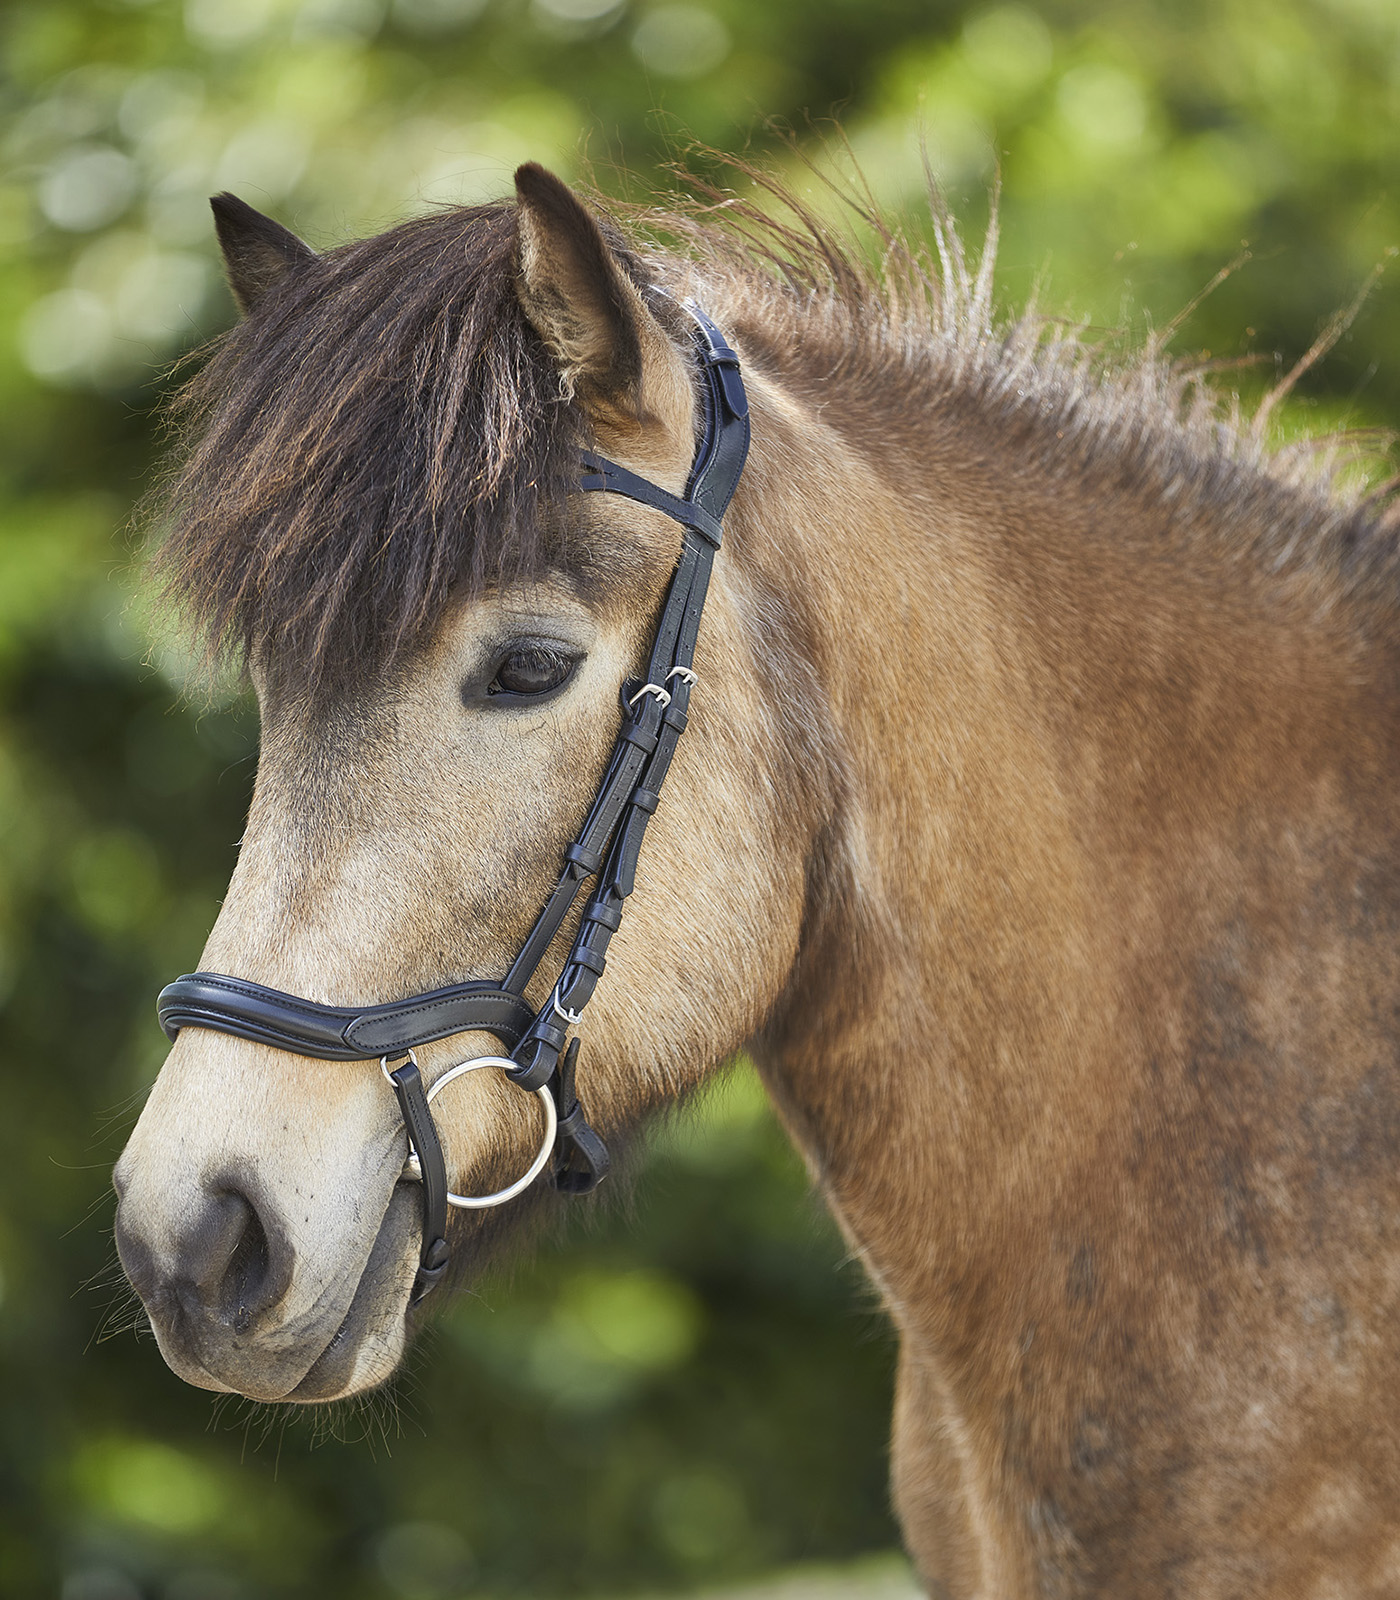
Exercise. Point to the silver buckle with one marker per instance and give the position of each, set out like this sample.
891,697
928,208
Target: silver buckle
663,695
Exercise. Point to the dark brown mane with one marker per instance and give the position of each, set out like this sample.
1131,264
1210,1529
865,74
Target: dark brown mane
386,426
383,428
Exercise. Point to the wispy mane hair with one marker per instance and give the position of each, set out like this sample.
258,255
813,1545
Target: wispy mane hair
386,428
383,429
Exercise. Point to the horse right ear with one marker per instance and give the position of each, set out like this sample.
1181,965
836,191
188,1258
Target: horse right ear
610,349
258,252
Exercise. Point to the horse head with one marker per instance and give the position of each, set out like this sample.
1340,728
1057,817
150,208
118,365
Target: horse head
380,508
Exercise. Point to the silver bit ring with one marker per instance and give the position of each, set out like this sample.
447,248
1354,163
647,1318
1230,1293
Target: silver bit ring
468,1202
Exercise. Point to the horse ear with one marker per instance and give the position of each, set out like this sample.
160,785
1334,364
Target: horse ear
612,351
258,252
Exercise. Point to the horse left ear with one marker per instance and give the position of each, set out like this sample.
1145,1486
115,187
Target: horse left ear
612,351
258,252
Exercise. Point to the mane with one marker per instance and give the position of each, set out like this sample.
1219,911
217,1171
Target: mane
386,429
894,328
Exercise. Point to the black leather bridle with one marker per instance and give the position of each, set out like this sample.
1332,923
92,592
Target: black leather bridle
541,1057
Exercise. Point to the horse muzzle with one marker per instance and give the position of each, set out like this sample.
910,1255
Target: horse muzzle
264,1241
231,1309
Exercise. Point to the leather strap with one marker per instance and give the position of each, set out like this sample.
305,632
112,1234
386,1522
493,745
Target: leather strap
714,476
600,473
338,1033
433,1258
581,1159
631,785
607,847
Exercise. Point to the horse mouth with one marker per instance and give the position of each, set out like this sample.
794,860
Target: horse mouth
364,1351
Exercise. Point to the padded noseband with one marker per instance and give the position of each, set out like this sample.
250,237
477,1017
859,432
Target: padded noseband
606,850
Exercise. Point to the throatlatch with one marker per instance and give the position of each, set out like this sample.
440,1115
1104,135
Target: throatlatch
542,1058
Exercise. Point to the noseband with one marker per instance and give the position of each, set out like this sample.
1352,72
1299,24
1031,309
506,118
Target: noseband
542,1059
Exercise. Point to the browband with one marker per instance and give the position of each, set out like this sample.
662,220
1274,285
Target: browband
606,847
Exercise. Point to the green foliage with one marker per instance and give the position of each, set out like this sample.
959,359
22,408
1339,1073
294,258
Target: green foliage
697,1389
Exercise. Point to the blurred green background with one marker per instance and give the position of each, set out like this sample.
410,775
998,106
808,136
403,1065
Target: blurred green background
696,1392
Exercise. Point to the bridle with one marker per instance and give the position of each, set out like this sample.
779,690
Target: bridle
542,1059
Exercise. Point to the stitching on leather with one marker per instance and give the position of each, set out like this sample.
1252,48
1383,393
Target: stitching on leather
391,1014
354,1014
251,992
348,1025
364,1023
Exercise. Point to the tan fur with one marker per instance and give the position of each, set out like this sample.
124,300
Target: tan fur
1035,830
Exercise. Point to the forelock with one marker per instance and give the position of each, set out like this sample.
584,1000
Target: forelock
384,429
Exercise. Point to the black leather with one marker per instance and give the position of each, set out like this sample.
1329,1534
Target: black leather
647,739
607,848
433,1258
339,1033
600,473
581,1159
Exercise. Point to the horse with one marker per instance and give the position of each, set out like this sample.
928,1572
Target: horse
1034,832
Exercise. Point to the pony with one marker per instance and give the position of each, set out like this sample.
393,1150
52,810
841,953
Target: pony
1035,833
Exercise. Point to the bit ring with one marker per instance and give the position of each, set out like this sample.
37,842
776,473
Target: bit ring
468,1202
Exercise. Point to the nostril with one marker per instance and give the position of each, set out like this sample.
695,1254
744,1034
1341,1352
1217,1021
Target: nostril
236,1261
213,1265
247,1279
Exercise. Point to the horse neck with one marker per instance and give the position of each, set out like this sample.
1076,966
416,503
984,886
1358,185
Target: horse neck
1044,705
1096,978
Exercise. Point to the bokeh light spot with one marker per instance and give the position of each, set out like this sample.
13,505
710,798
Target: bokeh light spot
156,100
161,295
1102,105
639,1319
267,156
227,22
681,41
65,334
116,880
87,188
577,11
1009,47
150,1484
338,19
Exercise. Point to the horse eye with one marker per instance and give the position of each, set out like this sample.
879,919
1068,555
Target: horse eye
532,670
